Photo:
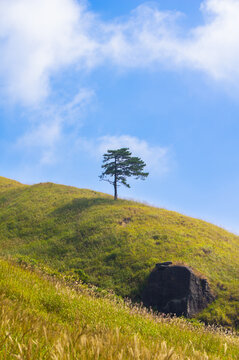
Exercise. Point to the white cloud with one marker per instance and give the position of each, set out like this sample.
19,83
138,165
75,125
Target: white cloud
152,37
38,38
43,137
157,158
214,47
47,132
74,109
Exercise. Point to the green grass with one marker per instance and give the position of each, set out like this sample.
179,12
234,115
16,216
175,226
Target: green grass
42,318
115,245
8,184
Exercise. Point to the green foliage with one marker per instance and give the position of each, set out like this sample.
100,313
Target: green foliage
43,319
114,245
119,165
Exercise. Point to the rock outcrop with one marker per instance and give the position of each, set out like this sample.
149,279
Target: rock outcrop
174,289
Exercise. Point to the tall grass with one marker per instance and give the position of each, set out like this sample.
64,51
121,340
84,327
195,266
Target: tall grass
45,319
115,245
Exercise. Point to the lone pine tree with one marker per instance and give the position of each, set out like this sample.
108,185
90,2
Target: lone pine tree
118,165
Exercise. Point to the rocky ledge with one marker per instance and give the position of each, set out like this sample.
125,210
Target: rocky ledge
175,289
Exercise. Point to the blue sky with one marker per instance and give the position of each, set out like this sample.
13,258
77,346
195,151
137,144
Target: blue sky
160,77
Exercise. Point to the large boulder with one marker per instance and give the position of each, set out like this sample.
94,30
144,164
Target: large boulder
174,289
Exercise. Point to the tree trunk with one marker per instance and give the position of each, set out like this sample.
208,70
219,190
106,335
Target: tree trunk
115,188
115,183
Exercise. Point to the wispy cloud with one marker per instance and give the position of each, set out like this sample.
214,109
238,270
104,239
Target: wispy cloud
157,158
47,131
38,38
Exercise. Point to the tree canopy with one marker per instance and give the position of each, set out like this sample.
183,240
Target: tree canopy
118,165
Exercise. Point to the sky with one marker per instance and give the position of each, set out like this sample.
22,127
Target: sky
160,77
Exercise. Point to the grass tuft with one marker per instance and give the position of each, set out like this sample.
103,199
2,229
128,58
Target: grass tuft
83,325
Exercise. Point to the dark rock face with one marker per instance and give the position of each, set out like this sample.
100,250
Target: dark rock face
176,290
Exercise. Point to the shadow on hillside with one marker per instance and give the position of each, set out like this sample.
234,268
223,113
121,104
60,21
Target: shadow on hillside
78,205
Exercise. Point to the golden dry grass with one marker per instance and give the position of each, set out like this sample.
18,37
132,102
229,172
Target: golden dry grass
45,319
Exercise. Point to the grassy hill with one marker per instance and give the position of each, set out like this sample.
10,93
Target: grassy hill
44,319
115,245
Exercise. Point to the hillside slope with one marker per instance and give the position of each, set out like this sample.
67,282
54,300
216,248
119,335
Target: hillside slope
43,319
8,184
115,245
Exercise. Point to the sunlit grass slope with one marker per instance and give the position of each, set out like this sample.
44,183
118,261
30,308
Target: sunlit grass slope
115,245
8,184
44,319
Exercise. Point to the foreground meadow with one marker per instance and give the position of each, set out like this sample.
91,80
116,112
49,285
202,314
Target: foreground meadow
42,318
